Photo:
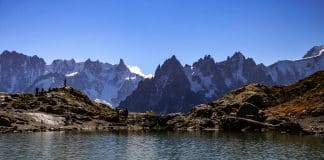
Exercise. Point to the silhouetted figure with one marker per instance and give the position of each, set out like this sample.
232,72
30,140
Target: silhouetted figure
49,89
126,112
36,91
42,90
65,82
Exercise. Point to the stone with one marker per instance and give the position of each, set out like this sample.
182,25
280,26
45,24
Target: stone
317,112
290,126
202,111
248,110
272,120
4,121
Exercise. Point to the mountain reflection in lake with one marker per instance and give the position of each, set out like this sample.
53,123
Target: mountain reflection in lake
165,145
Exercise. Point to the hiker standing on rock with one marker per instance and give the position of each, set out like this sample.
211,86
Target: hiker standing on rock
36,91
65,82
126,112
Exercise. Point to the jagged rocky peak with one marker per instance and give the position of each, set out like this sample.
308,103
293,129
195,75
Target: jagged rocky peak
237,56
314,51
170,66
169,91
14,56
15,59
65,62
121,65
93,65
250,62
62,66
207,60
173,61
121,62
7,53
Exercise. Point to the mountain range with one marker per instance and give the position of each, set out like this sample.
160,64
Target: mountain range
174,87
100,81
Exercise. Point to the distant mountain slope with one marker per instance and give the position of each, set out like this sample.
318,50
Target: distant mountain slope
209,80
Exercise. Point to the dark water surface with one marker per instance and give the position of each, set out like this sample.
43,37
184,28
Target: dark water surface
166,145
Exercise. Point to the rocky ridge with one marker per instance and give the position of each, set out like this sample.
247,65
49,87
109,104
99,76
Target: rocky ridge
178,88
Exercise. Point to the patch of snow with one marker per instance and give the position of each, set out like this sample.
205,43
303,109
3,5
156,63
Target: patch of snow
319,54
130,78
102,101
137,70
71,74
47,118
149,76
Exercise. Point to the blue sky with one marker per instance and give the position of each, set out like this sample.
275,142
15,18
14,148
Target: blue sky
146,32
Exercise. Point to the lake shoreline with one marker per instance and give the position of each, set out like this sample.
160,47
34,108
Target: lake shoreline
45,122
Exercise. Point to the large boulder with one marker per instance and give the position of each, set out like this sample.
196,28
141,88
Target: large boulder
172,121
272,120
4,121
290,126
248,110
317,112
54,109
202,111
229,123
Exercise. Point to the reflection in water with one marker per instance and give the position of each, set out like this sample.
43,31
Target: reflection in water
165,145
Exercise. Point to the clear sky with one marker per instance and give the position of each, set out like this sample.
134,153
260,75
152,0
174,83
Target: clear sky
146,32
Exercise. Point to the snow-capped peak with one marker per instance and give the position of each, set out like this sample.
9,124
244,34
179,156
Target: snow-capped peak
314,51
137,70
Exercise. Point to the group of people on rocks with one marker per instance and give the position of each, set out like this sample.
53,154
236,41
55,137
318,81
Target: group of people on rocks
39,92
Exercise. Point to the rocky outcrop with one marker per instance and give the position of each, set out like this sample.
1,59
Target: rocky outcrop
57,108
4,121
283,108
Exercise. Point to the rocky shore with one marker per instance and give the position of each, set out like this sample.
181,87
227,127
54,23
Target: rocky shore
298,108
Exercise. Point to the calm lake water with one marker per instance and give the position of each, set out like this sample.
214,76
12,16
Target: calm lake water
168,145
